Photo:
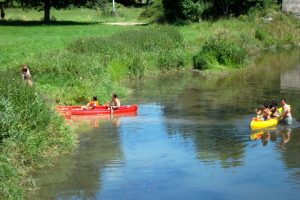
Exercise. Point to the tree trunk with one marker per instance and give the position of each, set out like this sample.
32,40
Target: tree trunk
148,3
226,8
47,11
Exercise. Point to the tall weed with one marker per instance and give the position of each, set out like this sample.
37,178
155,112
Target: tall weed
30,130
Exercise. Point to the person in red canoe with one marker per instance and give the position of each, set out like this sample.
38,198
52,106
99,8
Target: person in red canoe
91,105
116,103
264,111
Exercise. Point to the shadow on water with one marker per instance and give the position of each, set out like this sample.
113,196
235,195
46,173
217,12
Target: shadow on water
79,175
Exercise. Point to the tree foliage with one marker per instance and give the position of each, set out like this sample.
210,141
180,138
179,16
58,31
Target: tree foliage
193,9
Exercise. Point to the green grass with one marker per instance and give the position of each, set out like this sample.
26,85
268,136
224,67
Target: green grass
76,14
21,40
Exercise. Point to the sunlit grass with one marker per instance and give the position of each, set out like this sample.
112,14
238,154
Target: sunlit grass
76,14
17,42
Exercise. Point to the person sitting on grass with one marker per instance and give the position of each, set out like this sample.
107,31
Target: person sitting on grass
24,67
273,109
265,112
116,103
26,77
91,105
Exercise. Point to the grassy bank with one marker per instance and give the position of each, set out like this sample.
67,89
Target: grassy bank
92,66
31,133
246,36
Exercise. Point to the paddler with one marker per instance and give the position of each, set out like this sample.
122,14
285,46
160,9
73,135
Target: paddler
116,103
91,105
286,113
265,112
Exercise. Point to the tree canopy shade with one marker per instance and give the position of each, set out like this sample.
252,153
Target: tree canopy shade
46,5
193,9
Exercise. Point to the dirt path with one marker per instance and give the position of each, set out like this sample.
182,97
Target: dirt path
126,24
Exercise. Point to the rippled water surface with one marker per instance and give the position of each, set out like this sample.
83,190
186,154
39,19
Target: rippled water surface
190,139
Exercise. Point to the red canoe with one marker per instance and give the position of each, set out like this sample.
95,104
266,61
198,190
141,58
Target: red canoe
99,110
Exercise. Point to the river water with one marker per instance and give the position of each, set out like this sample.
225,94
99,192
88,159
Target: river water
190,139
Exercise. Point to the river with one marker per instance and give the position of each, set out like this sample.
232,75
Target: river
190,139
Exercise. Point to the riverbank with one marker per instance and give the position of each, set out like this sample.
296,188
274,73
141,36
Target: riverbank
73,61
31,134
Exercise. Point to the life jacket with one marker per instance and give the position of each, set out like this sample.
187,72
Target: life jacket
93,103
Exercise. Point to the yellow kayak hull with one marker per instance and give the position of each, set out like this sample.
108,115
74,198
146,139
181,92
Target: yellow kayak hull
263,124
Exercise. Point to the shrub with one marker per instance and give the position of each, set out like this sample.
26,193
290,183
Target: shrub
227,49
192,11
155,11
204,61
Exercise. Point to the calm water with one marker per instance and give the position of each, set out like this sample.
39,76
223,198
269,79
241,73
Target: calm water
190,139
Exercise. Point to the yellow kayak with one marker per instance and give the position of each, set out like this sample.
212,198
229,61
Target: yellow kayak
264,124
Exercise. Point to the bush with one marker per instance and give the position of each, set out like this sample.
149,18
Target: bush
204,61
192,11
228,50
155,11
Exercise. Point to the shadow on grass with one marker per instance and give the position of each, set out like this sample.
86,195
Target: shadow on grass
41,23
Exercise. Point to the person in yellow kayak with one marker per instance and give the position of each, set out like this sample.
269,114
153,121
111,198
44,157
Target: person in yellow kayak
273,109
286,113
91,105
264,111
116,103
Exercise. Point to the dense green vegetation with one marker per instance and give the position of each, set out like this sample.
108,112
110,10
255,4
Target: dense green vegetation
91,66
30,134
76,57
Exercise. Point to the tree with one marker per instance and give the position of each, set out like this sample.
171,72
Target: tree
225,4
126,2
46,5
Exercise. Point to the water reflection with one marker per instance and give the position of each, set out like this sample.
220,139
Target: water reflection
80,176
285,135
265,136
